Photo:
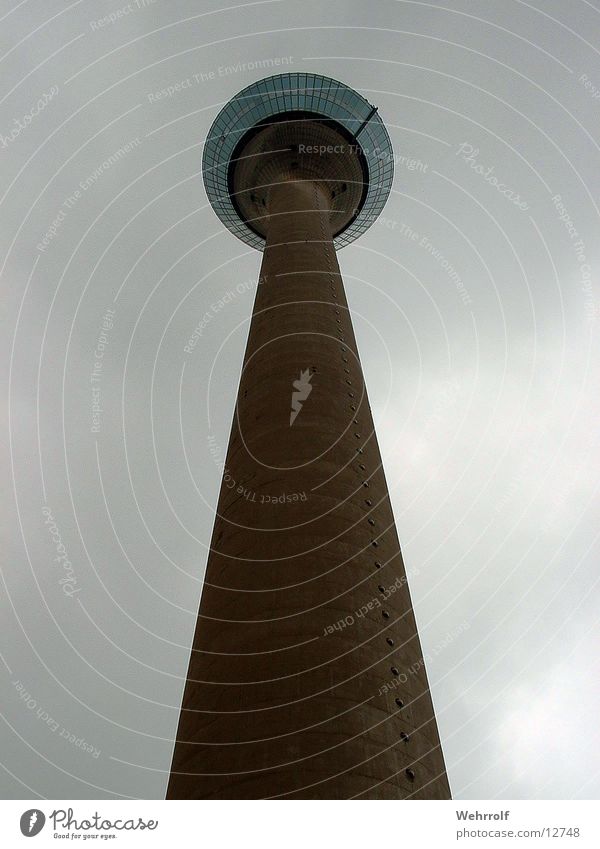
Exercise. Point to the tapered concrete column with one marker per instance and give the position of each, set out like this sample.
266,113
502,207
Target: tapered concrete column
306,678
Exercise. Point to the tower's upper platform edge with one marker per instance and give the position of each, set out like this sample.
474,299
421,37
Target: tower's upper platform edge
313,94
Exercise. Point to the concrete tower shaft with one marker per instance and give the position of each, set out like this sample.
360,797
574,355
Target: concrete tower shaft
306,678
298,147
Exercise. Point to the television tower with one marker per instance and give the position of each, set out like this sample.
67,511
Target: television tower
306,678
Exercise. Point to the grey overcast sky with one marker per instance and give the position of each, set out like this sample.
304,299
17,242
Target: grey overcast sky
478,337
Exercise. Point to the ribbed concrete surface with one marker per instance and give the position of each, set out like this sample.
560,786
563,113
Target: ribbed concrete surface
282,700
